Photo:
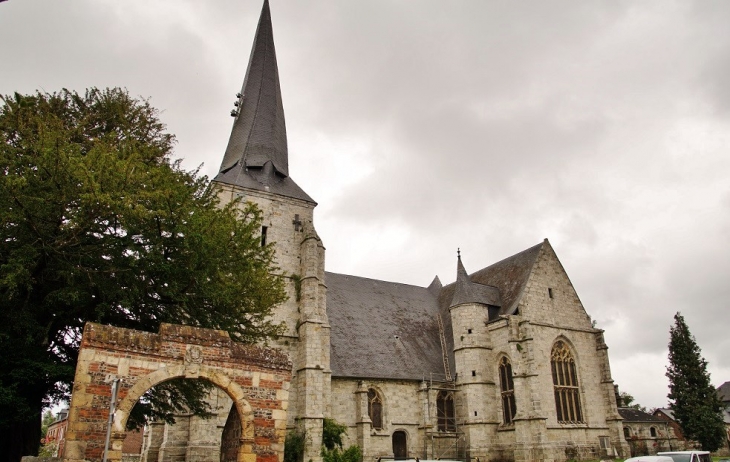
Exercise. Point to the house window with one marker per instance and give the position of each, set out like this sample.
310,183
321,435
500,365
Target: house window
627,432
375,409
565,384
652,432
550,292
507,386
264,229
445,411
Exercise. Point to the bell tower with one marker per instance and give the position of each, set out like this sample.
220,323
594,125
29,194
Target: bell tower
255,169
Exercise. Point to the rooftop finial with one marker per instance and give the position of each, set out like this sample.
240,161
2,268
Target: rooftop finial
458,252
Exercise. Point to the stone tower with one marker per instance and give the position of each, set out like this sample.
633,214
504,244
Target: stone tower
473,352
255,169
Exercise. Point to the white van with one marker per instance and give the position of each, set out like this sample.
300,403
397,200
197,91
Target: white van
688,456
650,459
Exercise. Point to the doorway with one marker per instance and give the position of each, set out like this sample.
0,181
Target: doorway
400,445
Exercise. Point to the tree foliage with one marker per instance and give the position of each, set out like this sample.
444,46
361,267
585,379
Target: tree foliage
628,400
97,224
332,451
692,398
294,446
46,422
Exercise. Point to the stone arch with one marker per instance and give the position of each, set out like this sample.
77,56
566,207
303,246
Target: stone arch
255,378
221,380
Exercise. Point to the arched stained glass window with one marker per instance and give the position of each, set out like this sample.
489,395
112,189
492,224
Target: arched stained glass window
375,409
507,386
445,411
565,384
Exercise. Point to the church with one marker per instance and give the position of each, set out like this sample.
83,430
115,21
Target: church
503,364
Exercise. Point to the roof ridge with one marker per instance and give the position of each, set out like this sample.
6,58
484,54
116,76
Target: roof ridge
376,280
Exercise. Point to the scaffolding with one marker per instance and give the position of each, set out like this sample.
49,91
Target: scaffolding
446,440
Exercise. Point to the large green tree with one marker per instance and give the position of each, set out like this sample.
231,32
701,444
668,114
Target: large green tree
695,403
98,224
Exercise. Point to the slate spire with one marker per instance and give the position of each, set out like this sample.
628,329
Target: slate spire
461,274
462,292
259,131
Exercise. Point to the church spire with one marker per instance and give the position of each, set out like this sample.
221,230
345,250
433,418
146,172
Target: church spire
259,132
463,292
461,275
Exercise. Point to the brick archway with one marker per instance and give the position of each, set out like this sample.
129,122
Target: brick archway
257,380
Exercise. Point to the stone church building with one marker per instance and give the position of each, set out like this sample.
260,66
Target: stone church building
502,364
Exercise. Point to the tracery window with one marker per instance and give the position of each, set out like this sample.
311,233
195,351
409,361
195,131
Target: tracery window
375,409
507,386
565,384
445,411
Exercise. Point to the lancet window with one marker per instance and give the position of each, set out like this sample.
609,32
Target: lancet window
507,386
375,409
445,411
565,384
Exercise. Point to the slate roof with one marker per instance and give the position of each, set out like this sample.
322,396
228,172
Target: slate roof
389,330
723,391
264,179
630,414
466,291
666,411
257,154
382,329
509,276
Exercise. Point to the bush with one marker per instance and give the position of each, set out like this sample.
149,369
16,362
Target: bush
351,454
332,444
294,446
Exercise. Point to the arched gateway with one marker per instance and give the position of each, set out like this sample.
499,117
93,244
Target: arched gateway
257,380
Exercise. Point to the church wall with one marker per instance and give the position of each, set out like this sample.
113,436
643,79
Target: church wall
549,296
551,311
402,410
527,340
279,212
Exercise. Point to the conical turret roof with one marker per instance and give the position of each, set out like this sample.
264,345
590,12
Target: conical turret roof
467,291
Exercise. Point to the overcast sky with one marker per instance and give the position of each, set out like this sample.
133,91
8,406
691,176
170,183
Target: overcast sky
423,126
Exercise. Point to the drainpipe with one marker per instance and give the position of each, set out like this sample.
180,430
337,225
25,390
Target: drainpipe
112,409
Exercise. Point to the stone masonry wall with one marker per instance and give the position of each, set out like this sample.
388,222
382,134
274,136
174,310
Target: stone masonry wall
256,379
300,261
408,406
279,214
